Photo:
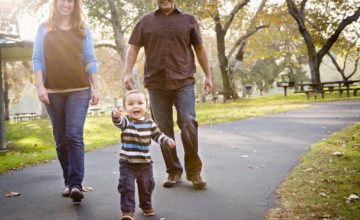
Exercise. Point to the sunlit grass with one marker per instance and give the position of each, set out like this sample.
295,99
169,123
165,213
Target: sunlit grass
32,142
318,187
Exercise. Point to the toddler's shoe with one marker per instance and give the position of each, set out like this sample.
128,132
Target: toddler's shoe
127,216
149,212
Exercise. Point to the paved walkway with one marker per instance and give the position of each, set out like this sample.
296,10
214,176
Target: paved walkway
244,162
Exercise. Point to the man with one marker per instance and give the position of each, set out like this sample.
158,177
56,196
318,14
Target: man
167,35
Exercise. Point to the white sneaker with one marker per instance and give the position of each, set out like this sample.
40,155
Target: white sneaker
76,194
66,192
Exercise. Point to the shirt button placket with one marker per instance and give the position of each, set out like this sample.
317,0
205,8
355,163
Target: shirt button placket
167,44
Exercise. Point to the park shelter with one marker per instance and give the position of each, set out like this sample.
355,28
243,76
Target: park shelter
12,48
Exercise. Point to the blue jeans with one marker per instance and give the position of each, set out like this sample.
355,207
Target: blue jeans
143,174
67,112
162,102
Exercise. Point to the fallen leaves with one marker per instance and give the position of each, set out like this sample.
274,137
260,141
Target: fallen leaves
323,194
338,153
87,189
12,194
352,198
255,167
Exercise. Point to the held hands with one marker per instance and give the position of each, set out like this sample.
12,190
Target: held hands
42,94
117,112
170,143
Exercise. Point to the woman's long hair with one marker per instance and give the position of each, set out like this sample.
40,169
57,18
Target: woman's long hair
77,18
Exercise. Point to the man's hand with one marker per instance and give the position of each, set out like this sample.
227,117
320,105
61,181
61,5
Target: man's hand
129,81
207,85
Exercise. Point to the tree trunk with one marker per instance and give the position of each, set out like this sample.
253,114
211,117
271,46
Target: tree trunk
6,97
2,122
118,31
224,68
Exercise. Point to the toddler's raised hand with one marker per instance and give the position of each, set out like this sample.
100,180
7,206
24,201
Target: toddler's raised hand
117,112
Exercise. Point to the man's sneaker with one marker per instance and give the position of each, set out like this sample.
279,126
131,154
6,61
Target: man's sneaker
76,194
149,212
197,181
66,192
127,216
172,180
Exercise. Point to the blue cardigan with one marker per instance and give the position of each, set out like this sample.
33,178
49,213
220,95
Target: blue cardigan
38,52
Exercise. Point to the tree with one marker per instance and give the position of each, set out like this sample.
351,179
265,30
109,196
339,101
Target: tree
221,30
340,23
2,123
264,74
14,73
242,42
351,53
114,18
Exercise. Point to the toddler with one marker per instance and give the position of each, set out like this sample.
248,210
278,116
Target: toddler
135,158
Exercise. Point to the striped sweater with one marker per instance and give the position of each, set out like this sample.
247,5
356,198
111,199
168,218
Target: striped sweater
136,138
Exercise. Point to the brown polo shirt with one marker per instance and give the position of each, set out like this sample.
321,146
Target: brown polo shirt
167,40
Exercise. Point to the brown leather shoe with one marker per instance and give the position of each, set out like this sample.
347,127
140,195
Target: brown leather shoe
172,180
197,181
149,212
127,216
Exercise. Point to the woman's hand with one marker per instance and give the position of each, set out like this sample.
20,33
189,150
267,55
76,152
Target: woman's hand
42,94
95,95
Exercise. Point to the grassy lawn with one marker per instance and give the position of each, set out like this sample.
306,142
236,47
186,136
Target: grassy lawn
32,142
319,186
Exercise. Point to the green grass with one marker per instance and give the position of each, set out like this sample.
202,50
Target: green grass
318,187
32,142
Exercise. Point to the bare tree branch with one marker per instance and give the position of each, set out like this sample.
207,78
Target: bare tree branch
331,40
337,65
302,8
233,12
243,38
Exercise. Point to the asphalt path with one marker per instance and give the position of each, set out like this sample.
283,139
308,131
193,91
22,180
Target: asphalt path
244,161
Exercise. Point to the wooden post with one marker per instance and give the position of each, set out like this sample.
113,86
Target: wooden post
2,119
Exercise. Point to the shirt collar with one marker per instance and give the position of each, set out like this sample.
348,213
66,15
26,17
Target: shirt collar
176,10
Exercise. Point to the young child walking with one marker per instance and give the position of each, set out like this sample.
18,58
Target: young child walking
135,158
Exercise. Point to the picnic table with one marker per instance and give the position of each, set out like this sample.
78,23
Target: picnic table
329,86
26,116
96,112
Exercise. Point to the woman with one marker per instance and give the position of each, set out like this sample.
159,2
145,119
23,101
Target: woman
65,70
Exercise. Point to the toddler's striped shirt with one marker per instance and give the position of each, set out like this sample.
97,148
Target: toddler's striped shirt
136,138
